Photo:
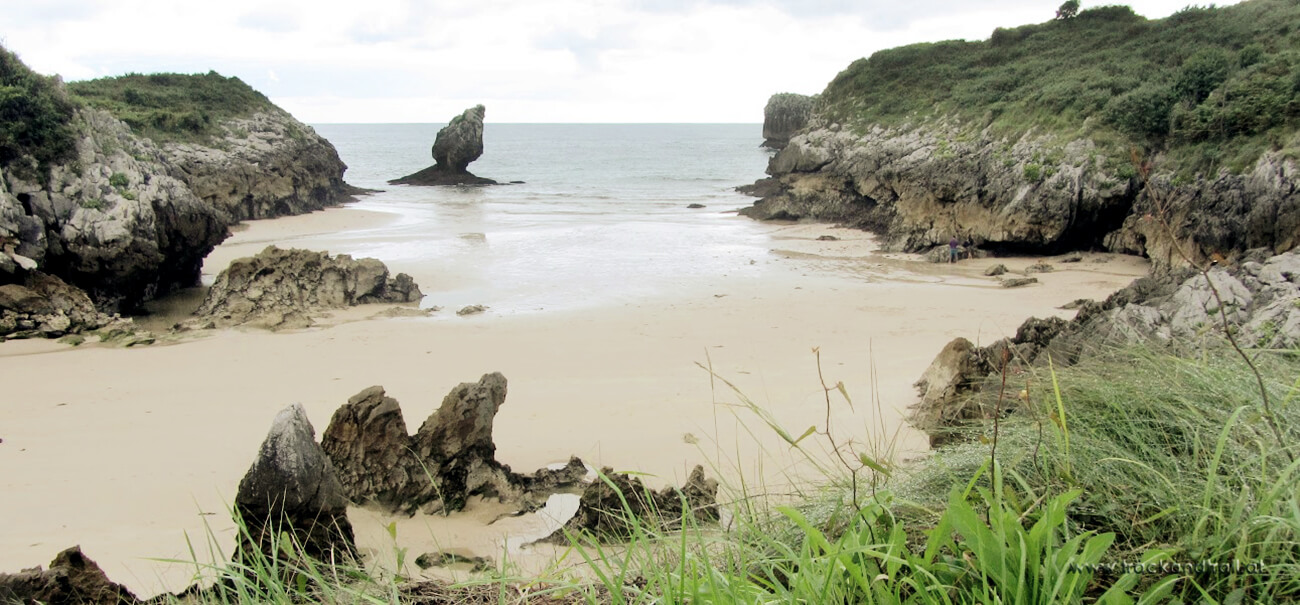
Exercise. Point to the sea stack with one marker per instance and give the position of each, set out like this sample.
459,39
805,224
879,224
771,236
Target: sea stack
458,143
786,113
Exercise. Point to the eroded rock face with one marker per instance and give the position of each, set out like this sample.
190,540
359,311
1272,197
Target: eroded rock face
281,288
602,514
292,487
72,578
112,221
917,187
449,459
785,114
264,165
457,144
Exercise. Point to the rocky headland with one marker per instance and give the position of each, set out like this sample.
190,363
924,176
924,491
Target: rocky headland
120,187
923,143
457,144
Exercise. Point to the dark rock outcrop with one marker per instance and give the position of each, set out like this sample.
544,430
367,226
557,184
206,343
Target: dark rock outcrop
281,288
262,166
45,306
785,114
292,487
602,513
72,578
448,460
457,144
112,221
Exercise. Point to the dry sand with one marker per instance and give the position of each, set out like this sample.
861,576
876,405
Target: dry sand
124,451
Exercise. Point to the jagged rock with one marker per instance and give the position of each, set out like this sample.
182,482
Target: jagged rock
282,288
602,514
956,371
1016,282
1039,268
292,487
457,144
785,114
1075,304
72,578
827,238
111,221
51,307
449,459
996,270
1073,258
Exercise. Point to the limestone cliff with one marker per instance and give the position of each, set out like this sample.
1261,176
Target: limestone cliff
262,166
919,187
110,220
785,114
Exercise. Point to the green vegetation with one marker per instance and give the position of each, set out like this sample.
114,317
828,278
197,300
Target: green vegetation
1215,87
1122,479
35,116
172,107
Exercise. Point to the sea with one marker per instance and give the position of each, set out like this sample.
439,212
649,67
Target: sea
601,217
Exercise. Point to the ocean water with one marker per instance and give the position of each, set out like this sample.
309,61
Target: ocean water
601,217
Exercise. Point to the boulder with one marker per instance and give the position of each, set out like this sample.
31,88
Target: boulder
72,578
785,114
449,459
457,144
955,372
1016,282
1039,267
996,270
280,289
51,308
471,310
292,487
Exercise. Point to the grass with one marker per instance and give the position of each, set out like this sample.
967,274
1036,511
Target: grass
1112,480
1215,87
172,107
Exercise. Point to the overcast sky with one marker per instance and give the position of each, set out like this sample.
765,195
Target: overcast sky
527,61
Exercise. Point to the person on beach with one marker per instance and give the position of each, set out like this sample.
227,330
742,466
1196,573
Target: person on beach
952,249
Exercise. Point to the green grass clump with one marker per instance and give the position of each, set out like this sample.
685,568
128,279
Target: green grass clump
1168,454
173,107
1214,86
35,115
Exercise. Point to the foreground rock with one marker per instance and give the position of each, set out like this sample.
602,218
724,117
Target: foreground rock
72,578
279,289
264,165
292,487
785,114
602,513
1178,309
111,221
458,143
449,459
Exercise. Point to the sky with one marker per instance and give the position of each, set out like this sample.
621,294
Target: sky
565,61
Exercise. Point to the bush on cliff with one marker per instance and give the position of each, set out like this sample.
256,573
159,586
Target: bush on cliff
172,107
35,115
1214,86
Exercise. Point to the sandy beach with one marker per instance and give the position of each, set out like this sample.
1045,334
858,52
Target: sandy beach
126,451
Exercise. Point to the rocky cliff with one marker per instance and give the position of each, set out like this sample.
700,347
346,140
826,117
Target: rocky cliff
110,220
262,166
919,187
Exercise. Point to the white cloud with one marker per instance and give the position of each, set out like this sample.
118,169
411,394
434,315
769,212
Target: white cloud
539,61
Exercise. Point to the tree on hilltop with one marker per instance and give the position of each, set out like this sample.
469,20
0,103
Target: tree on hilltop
1068,10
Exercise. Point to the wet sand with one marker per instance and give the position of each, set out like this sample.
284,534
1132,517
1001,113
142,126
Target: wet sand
125,451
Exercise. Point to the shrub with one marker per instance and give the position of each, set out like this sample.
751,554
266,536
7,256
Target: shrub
35,115
1142,113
